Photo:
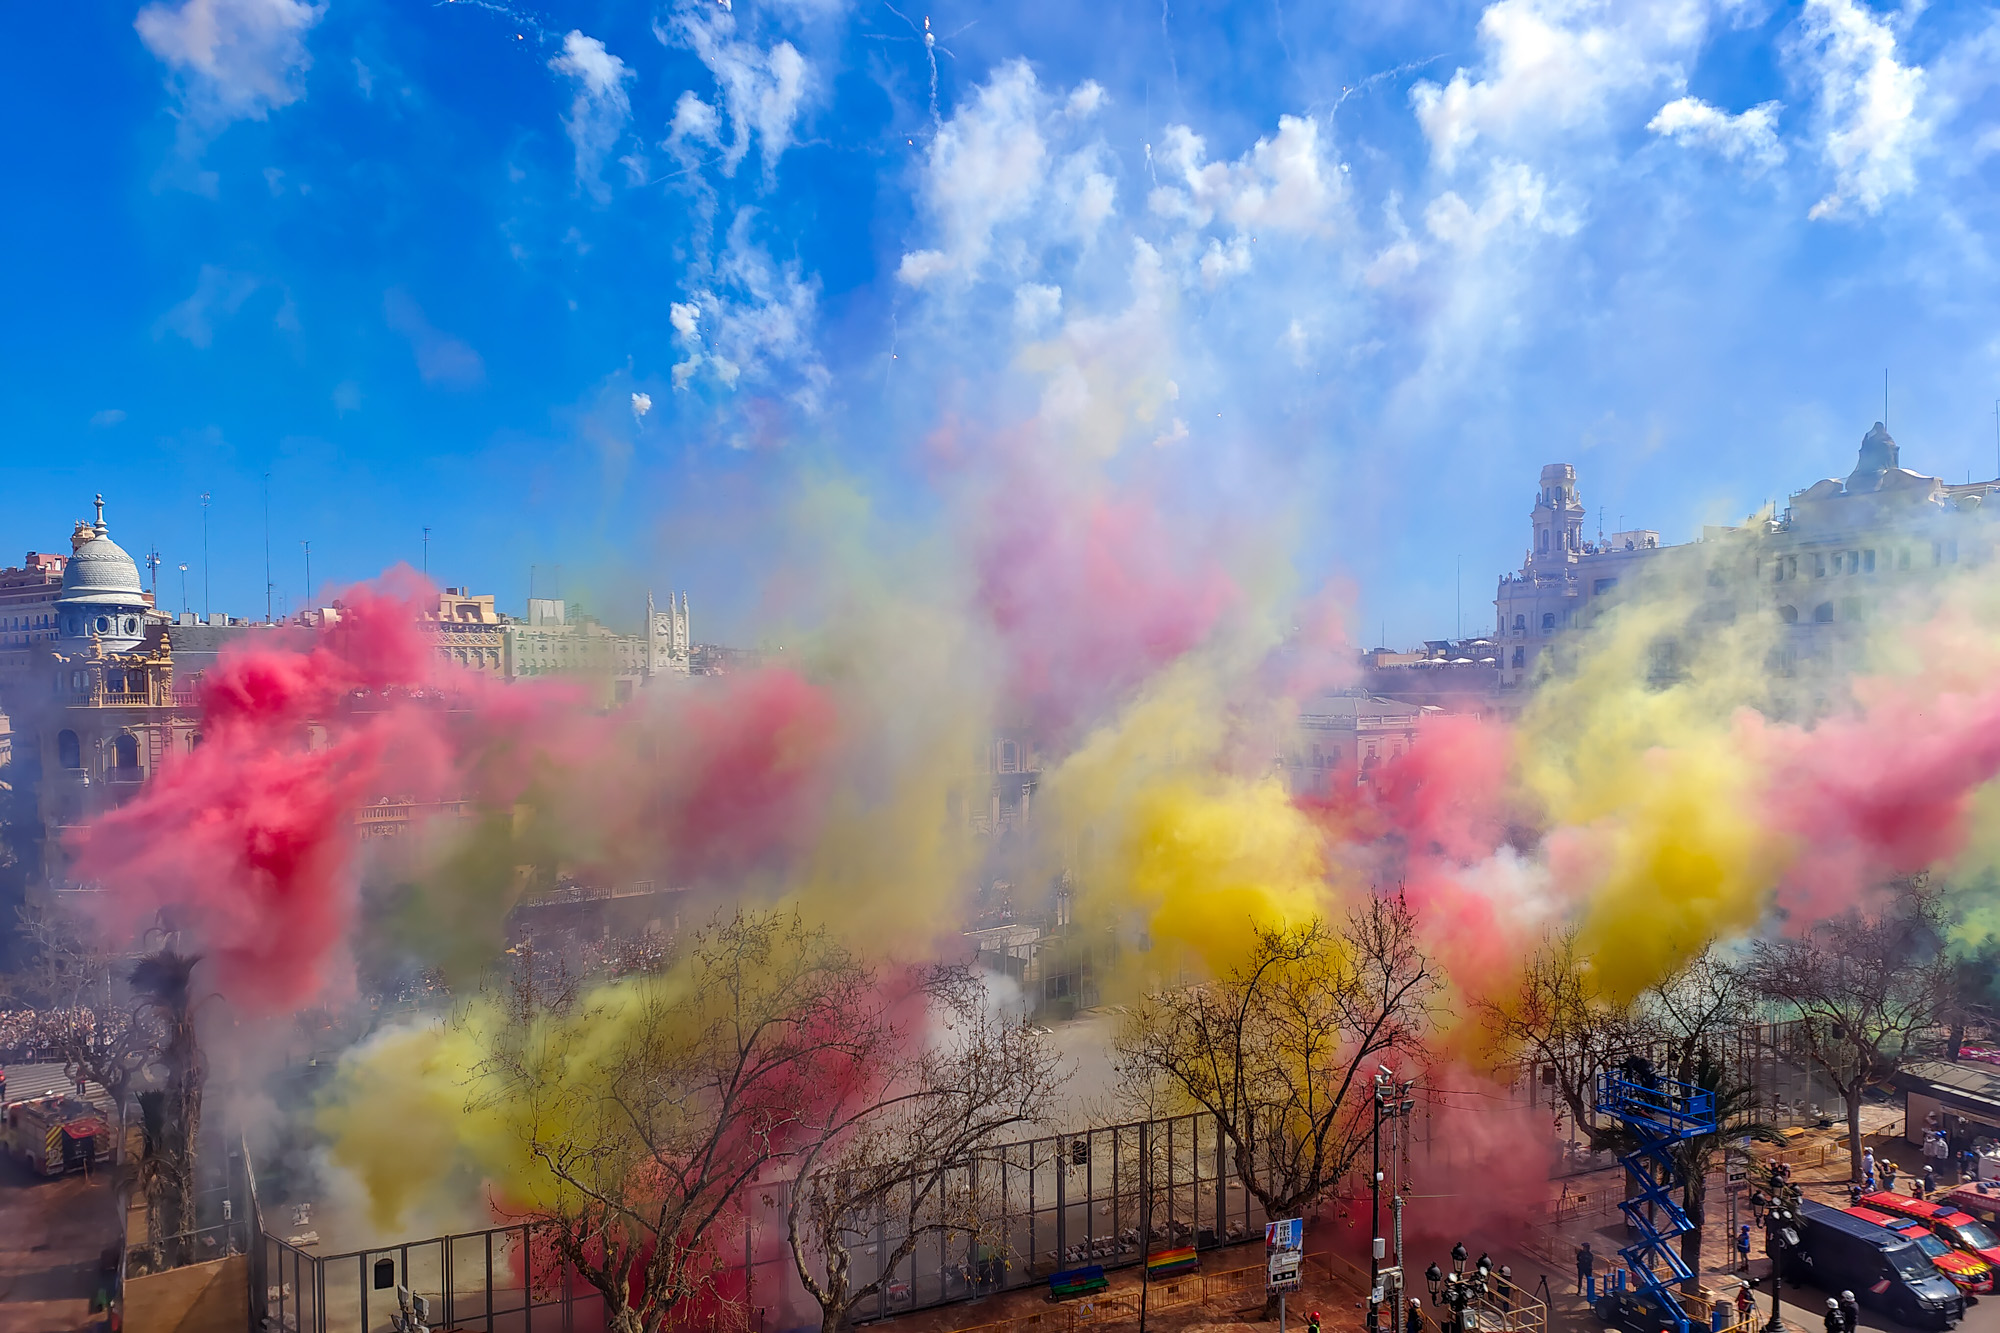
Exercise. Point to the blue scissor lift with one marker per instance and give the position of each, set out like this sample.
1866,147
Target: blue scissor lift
1659,1113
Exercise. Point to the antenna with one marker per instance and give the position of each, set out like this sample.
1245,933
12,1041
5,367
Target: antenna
184,589
309,571
206,611
153,563
268,585
1458,592
427,552
1885,398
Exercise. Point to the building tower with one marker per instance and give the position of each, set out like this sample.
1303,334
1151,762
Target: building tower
102,599
1558,520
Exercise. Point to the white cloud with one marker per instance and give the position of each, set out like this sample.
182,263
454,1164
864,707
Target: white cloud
1867,103
110,416
441,358
992,165
1035,304
600,109
1750,137
986,167
1219,263
753,327
1281,184
763,89
642,403
1517,200
232,59
1556,66
217,292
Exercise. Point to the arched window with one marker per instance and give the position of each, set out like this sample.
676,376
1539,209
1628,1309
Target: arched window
1823,613
1548,621
125,752
68,753
1520,623
1789,614
1544,540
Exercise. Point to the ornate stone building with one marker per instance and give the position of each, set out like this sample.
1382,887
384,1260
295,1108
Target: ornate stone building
1842,553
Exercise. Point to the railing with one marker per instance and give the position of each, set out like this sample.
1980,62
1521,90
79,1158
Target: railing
189,1247
1055,1202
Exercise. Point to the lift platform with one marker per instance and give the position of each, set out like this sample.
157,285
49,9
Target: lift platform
1659,1113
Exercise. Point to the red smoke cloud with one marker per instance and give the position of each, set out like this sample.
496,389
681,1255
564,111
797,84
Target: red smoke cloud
249,844
1090,596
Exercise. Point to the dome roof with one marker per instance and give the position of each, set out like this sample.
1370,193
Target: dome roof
99,569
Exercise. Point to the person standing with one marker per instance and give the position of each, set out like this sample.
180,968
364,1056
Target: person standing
1312,1320
1506,1289
1586,1264
1930,1179
1850,1310
1745,1306
1888,1175
1414,1321
1743,1248
1868,1168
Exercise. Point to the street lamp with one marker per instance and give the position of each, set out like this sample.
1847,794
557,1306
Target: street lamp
1458,1260
1434,1277
1779,1237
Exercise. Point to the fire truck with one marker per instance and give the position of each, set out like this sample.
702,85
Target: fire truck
55,1135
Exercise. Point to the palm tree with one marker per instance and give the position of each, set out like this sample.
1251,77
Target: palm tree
1737,1108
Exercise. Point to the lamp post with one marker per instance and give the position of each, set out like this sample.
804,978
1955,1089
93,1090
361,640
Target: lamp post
1434,1279
1780,1234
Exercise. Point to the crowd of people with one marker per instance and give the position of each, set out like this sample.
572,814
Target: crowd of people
27,1035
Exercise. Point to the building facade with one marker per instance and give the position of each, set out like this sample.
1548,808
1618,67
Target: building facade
1343,736
1842,553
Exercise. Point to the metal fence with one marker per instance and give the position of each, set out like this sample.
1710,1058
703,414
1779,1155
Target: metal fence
1053,1203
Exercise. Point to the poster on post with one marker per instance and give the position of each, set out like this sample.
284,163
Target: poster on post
1284,1253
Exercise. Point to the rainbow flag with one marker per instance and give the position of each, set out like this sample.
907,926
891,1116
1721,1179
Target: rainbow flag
1170,1263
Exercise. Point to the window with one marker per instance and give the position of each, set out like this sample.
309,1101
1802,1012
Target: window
1520,657
1789,614
1823,613
1520,624
1903,558
68,753
1548,621
1601,586
104,624
1791,566
125,752
1854,562
1819,566
1868,562
1544,541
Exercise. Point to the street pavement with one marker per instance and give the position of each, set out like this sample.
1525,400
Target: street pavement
53,1233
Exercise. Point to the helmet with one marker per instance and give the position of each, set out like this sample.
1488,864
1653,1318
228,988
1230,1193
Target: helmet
1414,1301
1506,1271
1832,1304
1847,1295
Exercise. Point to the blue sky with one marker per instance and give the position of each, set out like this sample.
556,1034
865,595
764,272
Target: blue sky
1354,270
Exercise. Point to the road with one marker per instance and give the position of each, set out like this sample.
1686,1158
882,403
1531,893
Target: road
52,1236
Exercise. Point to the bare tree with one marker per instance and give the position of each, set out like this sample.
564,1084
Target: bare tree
1867,987
647,1106
87,1003
1685,1016
1560,1019
899,1161
1281,1049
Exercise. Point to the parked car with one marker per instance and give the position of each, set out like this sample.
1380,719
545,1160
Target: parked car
1968,1271
1958,1227
1885,1271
